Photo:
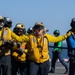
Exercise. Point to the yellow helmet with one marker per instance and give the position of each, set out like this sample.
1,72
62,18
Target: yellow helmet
20,25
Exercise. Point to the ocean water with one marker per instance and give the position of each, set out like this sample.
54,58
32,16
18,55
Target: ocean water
64,53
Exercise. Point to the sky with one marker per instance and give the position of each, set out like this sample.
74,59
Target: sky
55,14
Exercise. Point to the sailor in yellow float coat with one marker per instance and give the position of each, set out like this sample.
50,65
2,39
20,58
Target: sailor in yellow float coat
5,59
19,52
20,31
38,49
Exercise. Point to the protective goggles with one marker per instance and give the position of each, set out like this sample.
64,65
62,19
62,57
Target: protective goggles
38,27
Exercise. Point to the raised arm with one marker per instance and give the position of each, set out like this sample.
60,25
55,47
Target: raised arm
54,39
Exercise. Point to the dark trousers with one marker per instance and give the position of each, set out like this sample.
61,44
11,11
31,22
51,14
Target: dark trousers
20,67
5,65
72,67
57,55
43,68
